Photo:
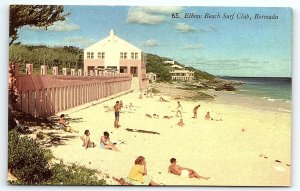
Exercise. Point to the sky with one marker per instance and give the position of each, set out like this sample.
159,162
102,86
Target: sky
224,45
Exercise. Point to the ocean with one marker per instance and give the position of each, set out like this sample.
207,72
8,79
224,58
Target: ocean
267,92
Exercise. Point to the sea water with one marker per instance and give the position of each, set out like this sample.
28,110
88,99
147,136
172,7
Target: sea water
268,92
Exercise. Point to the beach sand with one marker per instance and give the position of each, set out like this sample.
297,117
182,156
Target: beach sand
240,150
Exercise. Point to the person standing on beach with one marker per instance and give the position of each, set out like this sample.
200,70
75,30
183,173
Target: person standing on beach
195,110
179,109
117,114
182,171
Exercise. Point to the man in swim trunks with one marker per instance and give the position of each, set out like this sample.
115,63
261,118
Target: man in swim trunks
117,114
195,110
182,171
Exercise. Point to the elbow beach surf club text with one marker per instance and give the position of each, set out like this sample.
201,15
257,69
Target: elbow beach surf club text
227,16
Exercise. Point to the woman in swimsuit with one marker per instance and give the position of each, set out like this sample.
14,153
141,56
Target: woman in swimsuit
105,142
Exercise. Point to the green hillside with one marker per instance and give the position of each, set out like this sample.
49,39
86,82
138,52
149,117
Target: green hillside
72,57
156,65
66,56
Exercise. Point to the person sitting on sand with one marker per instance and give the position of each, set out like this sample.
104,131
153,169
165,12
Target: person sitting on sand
105,142
195,110
207,117
167,117
155,116
178,109
62,122
64,125
182,171
180,123
138,174
86,140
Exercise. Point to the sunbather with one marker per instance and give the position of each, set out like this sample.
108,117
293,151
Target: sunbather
86,140
182,171
138,174
105,142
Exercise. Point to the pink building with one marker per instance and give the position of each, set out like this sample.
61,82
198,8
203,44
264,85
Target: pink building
115,54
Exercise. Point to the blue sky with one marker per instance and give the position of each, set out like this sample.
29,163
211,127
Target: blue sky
237,47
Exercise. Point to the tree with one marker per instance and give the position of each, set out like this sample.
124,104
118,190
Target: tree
41,16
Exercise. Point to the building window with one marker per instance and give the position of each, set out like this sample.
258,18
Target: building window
132,55
101,55
92,55
88,55
136,56
123,55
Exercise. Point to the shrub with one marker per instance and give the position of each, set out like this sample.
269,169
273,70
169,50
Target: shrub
73,175
26,160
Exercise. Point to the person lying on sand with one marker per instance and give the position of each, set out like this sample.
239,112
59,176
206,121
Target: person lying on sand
105,142
180,123
86,140
161,99
207,117
138,174
167,117
182,171
148,115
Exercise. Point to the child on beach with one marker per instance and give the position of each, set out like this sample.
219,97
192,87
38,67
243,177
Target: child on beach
180,123
86,140
138,174
105,142
182,171
178,109
195,110
207,117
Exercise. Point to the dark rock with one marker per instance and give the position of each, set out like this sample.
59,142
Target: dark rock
225,87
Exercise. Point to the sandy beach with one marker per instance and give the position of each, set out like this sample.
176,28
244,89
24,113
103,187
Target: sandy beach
249,147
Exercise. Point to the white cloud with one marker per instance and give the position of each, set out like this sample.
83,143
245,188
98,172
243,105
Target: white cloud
79,41
183,27
150,15
151,43
193,47
59,26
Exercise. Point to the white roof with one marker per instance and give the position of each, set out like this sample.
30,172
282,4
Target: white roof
112,41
